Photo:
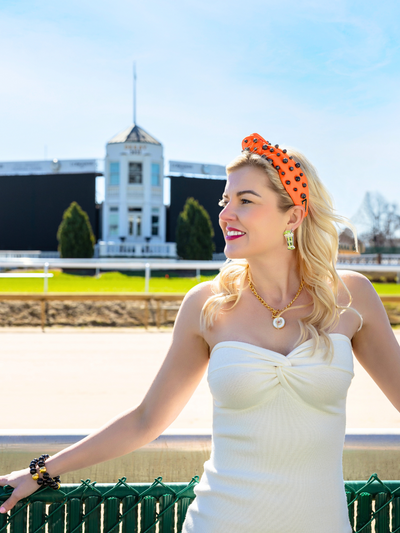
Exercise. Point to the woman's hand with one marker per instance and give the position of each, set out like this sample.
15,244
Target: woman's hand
23,485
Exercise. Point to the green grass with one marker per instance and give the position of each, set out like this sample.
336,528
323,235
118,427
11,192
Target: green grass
108,282
128,282
386,289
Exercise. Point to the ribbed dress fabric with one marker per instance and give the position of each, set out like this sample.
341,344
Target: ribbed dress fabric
278,434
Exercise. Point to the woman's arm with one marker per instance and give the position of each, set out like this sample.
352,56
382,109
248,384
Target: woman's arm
375,345
174,384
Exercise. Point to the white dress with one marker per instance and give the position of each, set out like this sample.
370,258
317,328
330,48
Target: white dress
278,435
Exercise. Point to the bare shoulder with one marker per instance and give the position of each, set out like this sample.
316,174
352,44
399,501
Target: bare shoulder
361,289
198,295
364,296
192,304
374,345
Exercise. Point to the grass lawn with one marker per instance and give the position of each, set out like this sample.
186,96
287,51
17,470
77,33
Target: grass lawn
128,282
108,282
386,289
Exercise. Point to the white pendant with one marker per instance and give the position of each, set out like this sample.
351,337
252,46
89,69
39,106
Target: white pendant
278,322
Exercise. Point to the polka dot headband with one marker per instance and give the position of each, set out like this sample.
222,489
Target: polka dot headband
294,181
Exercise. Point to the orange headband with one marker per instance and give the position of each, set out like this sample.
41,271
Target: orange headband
295,182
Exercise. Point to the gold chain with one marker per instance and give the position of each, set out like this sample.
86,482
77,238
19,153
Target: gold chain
275,312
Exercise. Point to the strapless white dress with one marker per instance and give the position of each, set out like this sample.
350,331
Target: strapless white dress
278,434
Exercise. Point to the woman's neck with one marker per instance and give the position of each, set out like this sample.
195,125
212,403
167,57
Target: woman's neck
277,279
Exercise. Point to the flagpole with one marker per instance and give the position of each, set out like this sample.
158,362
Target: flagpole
134,92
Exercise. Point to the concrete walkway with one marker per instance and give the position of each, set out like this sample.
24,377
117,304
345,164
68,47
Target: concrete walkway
80,378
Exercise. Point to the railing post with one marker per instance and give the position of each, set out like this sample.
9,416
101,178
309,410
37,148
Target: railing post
147,277
198,275
43,313
45,280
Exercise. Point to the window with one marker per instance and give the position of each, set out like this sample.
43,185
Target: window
155,174
135,172
114,173
155,221
113,222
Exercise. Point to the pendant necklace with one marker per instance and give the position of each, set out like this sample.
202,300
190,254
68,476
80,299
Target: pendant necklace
277,320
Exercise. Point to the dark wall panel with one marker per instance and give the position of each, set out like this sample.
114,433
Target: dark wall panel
207,192
31,208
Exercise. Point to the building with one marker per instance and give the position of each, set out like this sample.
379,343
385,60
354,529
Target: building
34,196
131,222
134,210
205,183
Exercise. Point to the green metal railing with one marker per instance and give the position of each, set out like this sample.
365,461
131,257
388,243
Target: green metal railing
158,507
374,502
105,508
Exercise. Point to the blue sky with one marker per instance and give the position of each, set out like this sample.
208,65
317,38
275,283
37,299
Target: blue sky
320,76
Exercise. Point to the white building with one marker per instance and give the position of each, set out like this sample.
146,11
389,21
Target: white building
134,211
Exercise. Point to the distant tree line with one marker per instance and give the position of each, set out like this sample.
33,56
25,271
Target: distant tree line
382,222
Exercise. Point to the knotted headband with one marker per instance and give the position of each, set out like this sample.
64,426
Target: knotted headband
294,181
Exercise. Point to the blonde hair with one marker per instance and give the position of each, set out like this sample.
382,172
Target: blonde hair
317,248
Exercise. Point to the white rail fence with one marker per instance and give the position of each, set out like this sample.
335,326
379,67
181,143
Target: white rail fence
161,264
168,251
110,264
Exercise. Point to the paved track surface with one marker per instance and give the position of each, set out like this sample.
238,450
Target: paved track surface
80,378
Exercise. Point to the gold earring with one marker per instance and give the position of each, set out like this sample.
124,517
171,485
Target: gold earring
289,239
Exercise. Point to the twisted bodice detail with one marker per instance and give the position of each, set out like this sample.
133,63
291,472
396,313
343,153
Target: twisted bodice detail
278,435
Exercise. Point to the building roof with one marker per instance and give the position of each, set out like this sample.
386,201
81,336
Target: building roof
56,166
134,134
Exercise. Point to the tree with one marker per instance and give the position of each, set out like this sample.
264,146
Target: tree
380,218
194,232
75,235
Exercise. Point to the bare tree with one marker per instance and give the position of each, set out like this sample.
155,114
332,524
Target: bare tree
380,218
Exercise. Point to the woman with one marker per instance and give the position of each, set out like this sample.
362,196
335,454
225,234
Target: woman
276,330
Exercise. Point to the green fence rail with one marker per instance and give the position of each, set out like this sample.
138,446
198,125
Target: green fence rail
161,507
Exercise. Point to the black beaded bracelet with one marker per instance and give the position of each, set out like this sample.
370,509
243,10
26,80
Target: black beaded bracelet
46,480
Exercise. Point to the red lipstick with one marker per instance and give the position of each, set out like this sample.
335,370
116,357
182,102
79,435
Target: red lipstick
233,233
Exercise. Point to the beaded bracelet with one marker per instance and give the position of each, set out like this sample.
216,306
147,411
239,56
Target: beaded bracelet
46,480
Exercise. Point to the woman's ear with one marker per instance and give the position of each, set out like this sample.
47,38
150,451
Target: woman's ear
296,217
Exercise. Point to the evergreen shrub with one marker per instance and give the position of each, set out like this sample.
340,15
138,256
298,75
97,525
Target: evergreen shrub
194,232
75,235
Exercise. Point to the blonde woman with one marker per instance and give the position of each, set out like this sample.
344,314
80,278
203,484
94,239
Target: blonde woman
275,331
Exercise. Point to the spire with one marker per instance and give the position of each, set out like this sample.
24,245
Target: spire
134,134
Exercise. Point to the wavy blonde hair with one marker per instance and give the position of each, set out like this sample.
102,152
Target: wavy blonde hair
317,248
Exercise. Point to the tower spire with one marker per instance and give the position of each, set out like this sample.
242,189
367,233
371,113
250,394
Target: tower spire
134,92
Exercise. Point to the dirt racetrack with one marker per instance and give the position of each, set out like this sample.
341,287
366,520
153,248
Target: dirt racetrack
81,377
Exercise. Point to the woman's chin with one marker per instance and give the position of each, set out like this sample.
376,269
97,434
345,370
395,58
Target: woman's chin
232,254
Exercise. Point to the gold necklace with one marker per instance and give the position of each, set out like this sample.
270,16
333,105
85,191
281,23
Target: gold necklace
278,321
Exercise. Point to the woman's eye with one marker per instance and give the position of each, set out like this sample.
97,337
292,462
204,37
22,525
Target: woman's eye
245,201
222,203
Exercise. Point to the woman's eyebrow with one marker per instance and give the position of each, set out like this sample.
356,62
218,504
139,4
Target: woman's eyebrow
240,193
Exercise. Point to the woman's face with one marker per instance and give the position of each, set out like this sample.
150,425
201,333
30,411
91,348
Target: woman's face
250,219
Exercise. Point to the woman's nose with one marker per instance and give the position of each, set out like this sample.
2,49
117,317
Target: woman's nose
227,213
